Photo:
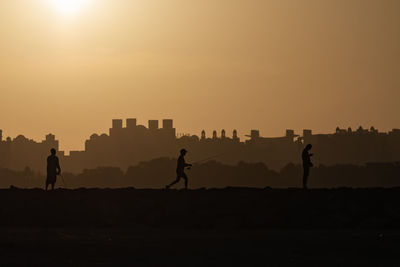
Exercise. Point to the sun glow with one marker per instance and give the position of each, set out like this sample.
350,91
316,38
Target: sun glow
69,8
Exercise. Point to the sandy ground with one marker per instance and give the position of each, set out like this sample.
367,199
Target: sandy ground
224,227
149,247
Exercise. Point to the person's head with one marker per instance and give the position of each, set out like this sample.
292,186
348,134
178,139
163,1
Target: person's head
183,152
53,151
308,147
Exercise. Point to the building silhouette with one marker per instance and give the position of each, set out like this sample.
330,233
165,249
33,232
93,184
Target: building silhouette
21,152
130,144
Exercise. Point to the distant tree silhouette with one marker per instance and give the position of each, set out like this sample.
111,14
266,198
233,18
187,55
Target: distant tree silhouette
212,174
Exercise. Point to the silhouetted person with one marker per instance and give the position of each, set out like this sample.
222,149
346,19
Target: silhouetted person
180,170
307,164
53,169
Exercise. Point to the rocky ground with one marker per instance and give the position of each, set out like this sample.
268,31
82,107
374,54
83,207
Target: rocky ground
232,227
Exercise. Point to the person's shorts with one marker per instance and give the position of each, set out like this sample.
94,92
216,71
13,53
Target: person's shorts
51,178
181,175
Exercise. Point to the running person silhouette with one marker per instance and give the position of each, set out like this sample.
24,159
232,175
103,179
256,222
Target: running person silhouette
180,170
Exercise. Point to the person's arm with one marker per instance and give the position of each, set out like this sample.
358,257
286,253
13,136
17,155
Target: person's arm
186,164
309,160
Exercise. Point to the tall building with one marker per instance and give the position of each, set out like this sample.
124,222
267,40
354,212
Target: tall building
167,124
117,124
131,123
153,124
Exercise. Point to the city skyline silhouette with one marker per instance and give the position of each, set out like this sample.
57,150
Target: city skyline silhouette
128,143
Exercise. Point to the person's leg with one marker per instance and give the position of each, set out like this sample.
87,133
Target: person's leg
178,178
52,186
305,176
47,185
184,176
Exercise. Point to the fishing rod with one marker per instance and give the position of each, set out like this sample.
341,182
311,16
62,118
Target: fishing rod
62,178
212,157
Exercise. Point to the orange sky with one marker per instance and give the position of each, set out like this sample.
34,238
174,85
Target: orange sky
210,64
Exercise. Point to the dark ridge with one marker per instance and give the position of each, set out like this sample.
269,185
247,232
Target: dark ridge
228,208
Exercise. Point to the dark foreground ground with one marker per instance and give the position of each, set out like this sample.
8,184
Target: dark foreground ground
225,227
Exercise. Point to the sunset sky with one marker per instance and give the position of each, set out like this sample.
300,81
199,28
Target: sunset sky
68,69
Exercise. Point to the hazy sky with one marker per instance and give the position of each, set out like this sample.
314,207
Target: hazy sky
209,64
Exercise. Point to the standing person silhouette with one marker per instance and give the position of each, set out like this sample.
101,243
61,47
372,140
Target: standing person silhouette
180,170
53,169
307,164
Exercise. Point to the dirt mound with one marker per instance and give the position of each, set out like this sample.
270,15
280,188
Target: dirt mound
229,208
